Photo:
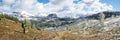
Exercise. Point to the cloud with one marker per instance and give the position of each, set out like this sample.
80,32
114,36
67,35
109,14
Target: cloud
5,5
8,2
5,8
62,8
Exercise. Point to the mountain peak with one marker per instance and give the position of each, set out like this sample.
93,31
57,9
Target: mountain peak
52,16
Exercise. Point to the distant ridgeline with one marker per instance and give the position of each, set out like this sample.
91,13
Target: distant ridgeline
106,13
7,16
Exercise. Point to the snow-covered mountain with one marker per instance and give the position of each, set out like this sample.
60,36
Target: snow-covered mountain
24,15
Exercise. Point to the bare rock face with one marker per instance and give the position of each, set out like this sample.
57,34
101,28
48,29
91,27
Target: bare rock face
52,16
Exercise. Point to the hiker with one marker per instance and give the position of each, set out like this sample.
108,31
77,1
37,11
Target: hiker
24,26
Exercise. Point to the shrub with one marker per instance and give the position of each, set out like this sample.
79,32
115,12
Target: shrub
1,16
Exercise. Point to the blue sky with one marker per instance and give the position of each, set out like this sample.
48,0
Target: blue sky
43,1
114,3
0,2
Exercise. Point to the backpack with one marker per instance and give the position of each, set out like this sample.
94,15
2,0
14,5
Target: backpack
23,25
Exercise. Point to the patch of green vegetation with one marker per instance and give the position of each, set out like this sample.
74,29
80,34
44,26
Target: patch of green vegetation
9,17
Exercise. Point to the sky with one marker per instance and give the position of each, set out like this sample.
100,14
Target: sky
63,8
114,3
